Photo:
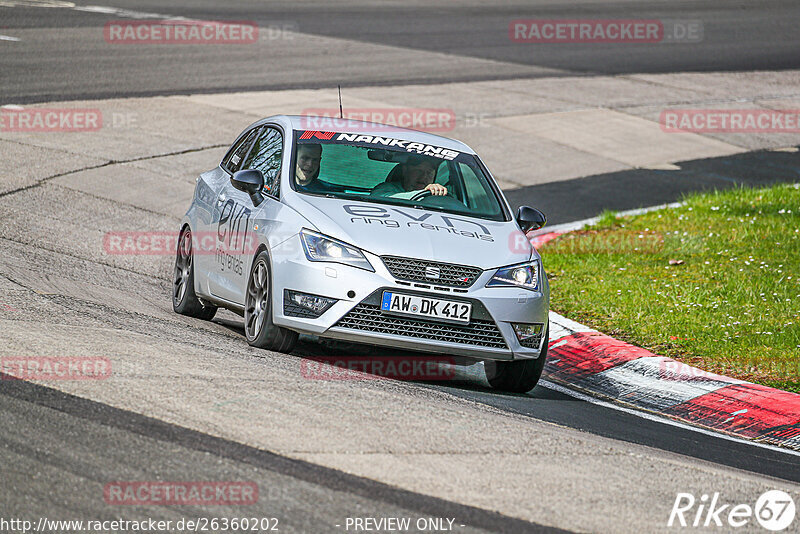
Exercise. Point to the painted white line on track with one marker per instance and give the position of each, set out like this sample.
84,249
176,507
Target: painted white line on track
35,3
9,38
102,10
126,13
660,418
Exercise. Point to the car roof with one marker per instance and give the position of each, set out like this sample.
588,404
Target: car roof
309,122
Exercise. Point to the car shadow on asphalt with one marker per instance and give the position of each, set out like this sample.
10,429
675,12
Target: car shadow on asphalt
582,198
458,376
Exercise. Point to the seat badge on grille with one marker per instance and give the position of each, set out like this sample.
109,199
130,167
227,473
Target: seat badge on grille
432,272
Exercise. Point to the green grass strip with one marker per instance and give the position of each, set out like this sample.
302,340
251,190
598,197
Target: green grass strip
714,283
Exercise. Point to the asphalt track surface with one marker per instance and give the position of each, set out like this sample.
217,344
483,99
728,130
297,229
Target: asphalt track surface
302,496
585,197
63,448
66,58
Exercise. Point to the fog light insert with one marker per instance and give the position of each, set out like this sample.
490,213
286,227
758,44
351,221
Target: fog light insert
529,334
296,304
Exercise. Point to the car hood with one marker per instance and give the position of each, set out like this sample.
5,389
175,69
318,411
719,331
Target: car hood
384,229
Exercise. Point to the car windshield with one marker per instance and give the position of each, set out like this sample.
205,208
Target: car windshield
386,170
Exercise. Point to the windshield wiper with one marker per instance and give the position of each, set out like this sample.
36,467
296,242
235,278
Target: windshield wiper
344,195
398,202
439,208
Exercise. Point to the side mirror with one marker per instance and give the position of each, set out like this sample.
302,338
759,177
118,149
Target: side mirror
249,181
530,218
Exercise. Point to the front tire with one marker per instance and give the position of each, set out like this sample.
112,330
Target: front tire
184,299
259,329
518,376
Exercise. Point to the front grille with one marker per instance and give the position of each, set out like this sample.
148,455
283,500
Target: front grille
532,342
479,332
291,309
422,270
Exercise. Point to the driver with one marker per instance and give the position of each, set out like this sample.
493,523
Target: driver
306,175
416,174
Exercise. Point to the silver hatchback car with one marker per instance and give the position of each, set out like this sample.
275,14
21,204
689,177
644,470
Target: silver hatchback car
366,233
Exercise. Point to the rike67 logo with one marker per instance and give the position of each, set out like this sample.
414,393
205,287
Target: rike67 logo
774,510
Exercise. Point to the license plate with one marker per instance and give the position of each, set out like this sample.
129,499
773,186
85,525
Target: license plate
425,307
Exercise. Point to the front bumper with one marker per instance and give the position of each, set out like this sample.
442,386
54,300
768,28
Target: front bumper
356,315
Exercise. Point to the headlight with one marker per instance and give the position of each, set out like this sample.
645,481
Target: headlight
323,248
525,275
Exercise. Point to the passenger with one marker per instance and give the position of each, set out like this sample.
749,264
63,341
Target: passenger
417,173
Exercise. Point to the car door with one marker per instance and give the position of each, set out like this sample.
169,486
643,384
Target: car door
238,219
212,260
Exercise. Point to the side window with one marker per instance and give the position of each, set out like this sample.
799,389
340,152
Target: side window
266,157
450,179
443,174
233,159
478,195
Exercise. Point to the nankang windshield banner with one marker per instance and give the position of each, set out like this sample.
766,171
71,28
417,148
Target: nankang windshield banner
377,141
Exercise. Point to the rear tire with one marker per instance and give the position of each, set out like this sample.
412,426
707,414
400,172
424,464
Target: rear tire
259,329
518,376
184,299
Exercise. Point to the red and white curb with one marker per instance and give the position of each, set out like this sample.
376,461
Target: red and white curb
584,360
588,361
